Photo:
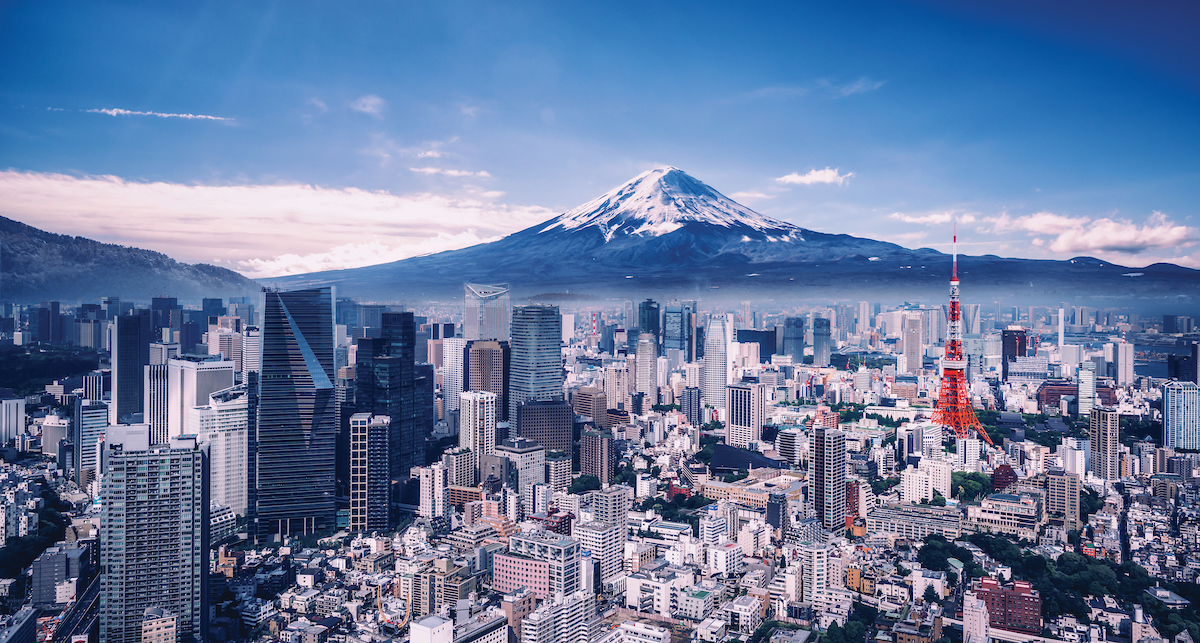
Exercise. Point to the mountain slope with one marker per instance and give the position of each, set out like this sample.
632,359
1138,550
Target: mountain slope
38,266
665,233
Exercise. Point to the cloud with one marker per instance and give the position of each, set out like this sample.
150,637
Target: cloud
827,175
318,104
750,196
260,230
369,104
933,218
860,86
127,112
438,170
1074,235
429,154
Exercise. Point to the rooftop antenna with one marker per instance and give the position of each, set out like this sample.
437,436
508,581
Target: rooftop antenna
954,276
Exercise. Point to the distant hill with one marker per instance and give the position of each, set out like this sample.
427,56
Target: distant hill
667,234
36,266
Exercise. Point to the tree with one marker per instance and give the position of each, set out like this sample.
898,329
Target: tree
938,500
930,595
969,486
585,482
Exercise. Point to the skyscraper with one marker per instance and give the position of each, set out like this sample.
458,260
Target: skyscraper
598,454
535,367
649,320
910,333
486,312
1123,352
822,342
829,478
90,421
1062,498
1014,344
1181,415
746,413
477,426
487,370
716,361
224,423
154,537
369,472
677,330
190,380
647,369
550,423
296,428
453,370
1105,430
862,324
1086,378
130,350
793,338
689,403
591,402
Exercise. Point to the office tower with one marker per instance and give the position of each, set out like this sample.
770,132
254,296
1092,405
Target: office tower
212,307
535,368
647,369
648,320
370,320
550,423
156,400
369,473
528,459
224,423
1014,344
829,478
814,565
598,454
477,426
606,541
251,351
976,621
1105,431
822,342
433,481
545,562
453,370
486,313
747,410
716,361
1124,363
863,321
12,419
793,338
111,307
297,414
160,310
566,618
677,330
558,470
1086,390
612,504
89,426
1062,498
689,404
967,454
913,350
1181,415
130,352
163,352
154,537
487,370
590,402
190,380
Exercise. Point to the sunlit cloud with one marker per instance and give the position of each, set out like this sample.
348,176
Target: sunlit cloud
750,196
259,230
827,175
444,172
129,112
1067,235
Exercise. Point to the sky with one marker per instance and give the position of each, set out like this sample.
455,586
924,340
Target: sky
282,138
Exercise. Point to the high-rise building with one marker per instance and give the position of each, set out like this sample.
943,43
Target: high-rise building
224,423
716,361
535,368
649,320
487,363
829,478
862,324
647,369
154,537
814,565
562,619
976,622
486,314
528,459
1105,432
822,342
793,338
746,411
1124,363
130,352
678,326
558,470
453,370
550,423
297,415
690,405
1181,415
913,349
90,422
156,402
1086,378
590,402
433,480
1014,344
606,542
190,380
369,472
598,454
611,504
1062,498
477,426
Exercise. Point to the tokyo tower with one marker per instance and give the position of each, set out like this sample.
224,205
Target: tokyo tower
954,405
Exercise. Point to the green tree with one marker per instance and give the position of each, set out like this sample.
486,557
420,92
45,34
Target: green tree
585,482
930,595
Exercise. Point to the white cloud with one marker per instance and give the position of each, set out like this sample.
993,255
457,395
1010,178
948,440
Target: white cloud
1074,235
438,170
750,196
827,175
369,104
429,154
860,86
318,104
261,230
932,218
127,112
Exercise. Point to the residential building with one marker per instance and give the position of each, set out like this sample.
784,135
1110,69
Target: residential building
1181,415
829,478
1016,607
1105,425
369,476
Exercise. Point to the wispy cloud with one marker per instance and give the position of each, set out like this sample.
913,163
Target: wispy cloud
1071,235
750,196
281,229
129,112
827,175
860,86
443,172
317,104
369,104
823,87
932,218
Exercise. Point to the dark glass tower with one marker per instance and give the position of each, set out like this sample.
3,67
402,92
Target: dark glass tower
130,352
793,338
648,319
297,415
535,366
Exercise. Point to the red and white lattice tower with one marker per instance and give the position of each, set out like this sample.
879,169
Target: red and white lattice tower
954,404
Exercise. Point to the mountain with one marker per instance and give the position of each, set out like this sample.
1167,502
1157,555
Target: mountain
40,266
665,233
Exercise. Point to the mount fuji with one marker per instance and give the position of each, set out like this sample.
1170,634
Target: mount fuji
665,233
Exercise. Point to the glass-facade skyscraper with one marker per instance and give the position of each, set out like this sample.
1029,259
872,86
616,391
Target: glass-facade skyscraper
1181,415
793,338
822,342
297,415
486,311
535,366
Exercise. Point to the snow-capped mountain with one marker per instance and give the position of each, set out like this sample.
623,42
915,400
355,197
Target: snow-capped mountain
665,233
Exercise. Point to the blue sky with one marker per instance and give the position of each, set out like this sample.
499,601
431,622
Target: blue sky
355,134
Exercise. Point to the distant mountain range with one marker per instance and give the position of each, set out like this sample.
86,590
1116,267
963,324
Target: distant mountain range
41,266
665,234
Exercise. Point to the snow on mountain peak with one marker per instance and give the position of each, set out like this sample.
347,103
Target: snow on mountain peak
661,201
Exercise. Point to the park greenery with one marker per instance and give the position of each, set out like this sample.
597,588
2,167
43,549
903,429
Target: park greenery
27,370
881,485
585,482
969,486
